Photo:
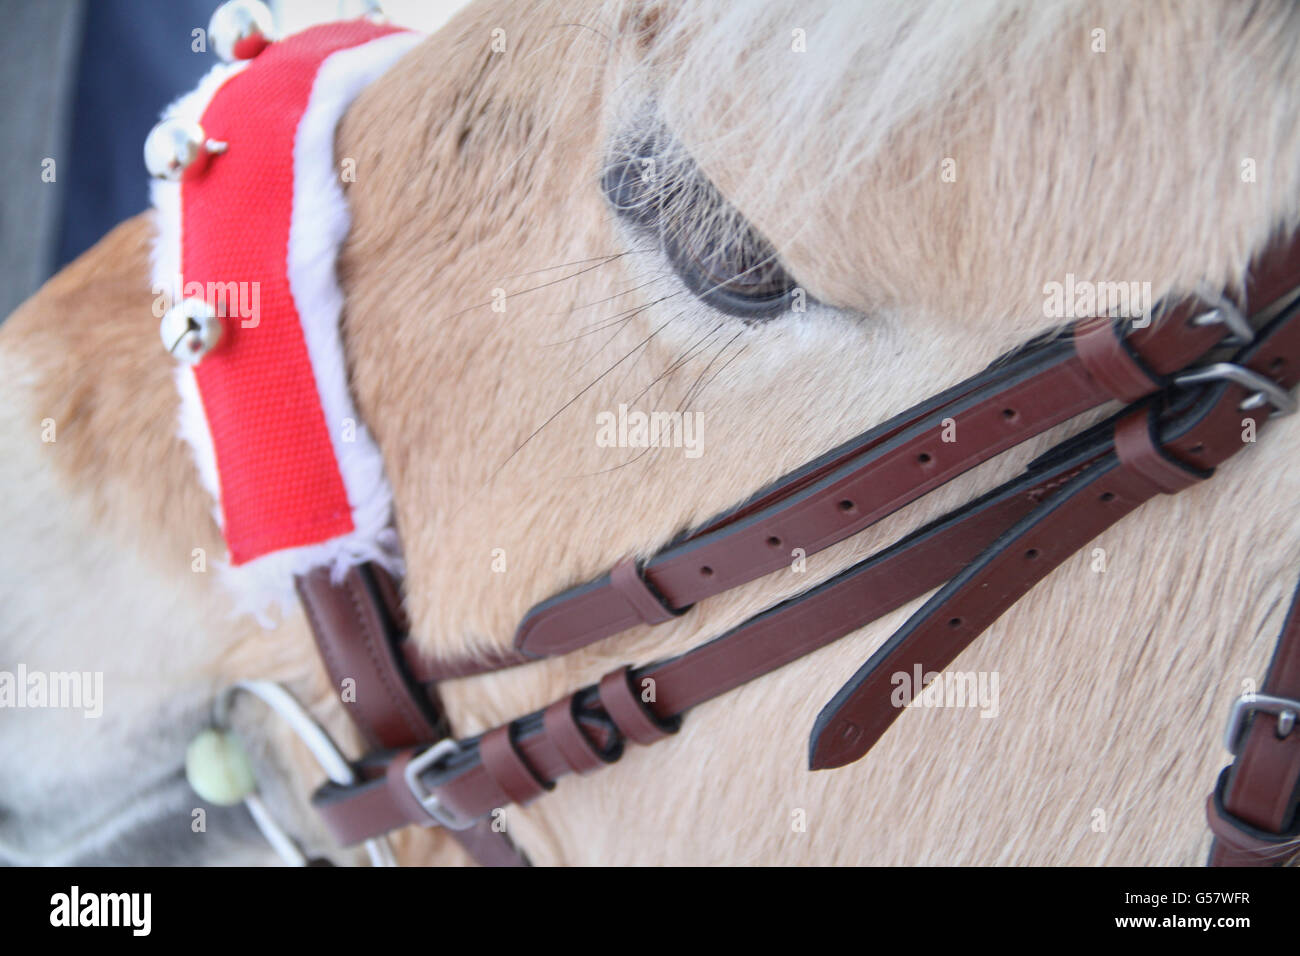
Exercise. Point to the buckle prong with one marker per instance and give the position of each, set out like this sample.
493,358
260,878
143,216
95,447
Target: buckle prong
1225,312
1266,391
427,798
1284,709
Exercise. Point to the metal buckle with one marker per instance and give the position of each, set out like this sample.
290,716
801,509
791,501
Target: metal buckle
1225,312
1266,391
427,798
1284,709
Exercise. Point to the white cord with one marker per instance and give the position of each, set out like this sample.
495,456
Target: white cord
323,748
280,841
381,852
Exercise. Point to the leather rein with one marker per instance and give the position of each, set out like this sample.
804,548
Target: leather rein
1185,402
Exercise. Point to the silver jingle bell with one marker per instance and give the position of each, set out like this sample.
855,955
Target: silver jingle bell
177,149
241,29
190,330
374,11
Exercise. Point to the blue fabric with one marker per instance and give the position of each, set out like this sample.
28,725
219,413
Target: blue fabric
136,57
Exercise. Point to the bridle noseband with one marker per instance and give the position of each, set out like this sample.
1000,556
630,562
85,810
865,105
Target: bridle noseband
1183,416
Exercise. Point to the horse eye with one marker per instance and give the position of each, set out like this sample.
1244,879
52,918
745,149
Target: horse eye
718,256
738,274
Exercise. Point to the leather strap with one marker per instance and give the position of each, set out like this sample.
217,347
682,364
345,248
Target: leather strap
427,670
632,718
1254,811
1042,384
1065,499
1237,843
377,806
1109,361
873,476
782,634
356,627
360,629
860,713
508,769
625,578
1191,439
562,728
1083,486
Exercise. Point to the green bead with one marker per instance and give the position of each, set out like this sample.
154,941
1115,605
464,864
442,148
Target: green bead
218,769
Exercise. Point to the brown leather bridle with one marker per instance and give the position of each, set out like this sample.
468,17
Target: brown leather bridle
1184,406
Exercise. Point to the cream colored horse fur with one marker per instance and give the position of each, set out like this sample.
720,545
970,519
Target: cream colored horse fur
479,171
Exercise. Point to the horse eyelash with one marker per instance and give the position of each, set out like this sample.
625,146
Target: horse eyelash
655,187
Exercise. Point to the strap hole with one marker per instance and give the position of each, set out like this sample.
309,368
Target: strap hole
1009,414
1277,364
847,505
1107,496
954,622
924,458
706,571
774,542
1031,553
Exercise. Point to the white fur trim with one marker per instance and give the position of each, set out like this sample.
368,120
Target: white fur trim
194,429
166,196
318,227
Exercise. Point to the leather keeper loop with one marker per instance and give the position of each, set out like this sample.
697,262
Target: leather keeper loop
401,795
1237,843
508,769
633,719
1109,362
564,731
625,578
1139,452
